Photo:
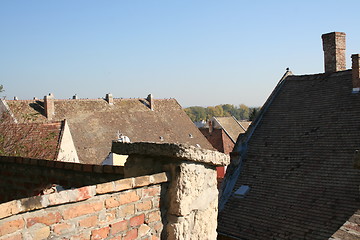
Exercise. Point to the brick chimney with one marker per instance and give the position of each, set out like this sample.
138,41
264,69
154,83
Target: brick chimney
109,98
150,99
211,127
355,72
334,46
49,106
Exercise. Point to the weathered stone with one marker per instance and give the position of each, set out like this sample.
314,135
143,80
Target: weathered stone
191,198
170,150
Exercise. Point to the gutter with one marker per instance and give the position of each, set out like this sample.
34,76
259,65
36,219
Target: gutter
234,169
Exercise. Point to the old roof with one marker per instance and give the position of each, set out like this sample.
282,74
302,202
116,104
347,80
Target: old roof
94,123
232,126
297,159
218,139
35,140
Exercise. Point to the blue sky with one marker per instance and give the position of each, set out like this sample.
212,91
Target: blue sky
200,52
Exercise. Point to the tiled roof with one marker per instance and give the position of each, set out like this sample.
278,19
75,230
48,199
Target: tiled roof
94,123
232,127
218,139
298,163
35,140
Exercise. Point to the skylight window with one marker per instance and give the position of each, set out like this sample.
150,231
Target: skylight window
242,191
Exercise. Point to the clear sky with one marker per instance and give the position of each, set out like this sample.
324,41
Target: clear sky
201,52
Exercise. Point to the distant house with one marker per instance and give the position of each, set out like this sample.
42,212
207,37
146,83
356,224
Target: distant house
51,141
95,123
292,174
222,133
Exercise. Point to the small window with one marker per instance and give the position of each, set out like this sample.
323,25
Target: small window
242,191
190,135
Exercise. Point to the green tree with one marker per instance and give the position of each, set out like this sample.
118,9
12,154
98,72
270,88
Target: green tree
254,112
1,88
196,113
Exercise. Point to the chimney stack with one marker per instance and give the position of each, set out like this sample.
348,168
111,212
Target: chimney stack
150,99
49,106
355,72
334,46
75,97
109,98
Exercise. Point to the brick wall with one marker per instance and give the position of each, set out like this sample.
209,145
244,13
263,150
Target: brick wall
123,209
24,177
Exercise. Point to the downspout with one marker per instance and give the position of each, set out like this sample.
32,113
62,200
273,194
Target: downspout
234,169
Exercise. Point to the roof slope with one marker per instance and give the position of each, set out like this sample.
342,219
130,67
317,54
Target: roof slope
94,123
232,127
31,140
299,163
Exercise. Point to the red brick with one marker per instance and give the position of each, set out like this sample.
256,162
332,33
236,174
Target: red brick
116,238
11,226
127,210
88,222
128,197
153,217
13,237
157,226
83,236
150,192
109,216
83,193
143,206
142,181
61,228
143,230
130,235
118,226
137,220
82,209
105,188
111,202
47,219
100,233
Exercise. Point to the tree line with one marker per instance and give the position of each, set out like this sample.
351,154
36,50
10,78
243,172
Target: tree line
241,112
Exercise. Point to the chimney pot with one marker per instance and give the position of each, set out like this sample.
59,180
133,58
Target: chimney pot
49,106
109,98
334,46
150,99
355,72
75,96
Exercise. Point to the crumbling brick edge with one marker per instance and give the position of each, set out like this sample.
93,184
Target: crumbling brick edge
65,165
75,195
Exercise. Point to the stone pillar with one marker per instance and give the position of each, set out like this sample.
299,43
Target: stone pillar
191,203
